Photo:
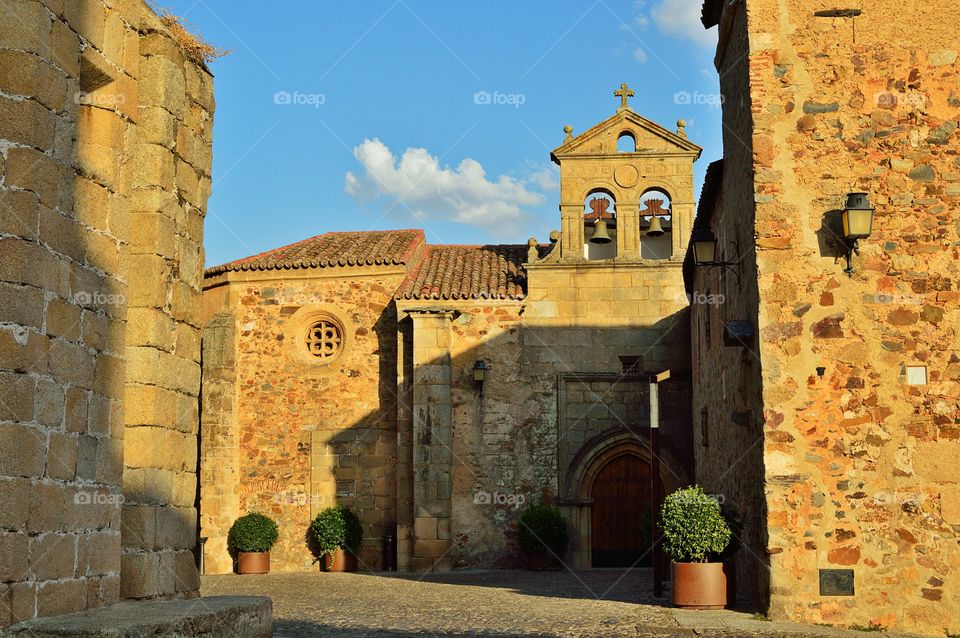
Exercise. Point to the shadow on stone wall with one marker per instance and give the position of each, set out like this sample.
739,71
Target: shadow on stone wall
511,441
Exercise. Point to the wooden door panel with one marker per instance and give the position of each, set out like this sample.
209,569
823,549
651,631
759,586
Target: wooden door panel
621,512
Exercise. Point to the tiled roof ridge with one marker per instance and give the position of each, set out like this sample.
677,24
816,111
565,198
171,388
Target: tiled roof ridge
468,271
383,250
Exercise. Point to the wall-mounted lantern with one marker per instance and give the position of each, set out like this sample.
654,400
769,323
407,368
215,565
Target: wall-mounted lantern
480,371
705,252
857,217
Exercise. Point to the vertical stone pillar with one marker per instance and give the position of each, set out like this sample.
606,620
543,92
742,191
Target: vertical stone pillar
219,442
170,182
571,220
432,453
628,226
404,445
683,213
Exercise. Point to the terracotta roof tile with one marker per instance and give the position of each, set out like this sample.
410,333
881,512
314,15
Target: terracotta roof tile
334,249
468,272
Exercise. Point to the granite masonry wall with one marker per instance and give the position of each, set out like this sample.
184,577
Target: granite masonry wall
514,441
73,78
304,436
397,428
164,266
727,412
858,463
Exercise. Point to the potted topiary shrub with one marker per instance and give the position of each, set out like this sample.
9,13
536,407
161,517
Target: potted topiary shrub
542,536
694,532
250,538
337,532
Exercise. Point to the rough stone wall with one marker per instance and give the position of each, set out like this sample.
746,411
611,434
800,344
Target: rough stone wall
305,438
592,404
62,310
859,466
504,437
309,436
727,412
164,265
513,443
69,133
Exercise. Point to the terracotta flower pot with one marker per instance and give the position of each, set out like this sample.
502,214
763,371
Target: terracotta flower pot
340,561
253,562
698,585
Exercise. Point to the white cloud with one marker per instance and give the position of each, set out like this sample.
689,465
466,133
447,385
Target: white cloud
640,55
546,177
463,194
681,18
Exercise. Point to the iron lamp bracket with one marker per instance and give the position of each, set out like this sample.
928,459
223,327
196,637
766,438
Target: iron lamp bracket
733,265
851,247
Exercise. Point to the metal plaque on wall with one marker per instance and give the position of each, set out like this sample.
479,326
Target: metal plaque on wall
836,582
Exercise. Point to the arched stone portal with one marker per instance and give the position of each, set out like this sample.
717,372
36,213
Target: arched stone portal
592,491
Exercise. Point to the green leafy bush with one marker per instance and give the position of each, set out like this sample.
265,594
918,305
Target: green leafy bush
693,528
336,528
253,532
542,531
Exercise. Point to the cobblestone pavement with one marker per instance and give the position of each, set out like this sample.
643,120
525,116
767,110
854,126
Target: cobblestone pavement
601,603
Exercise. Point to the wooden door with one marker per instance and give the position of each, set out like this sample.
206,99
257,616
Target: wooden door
620,534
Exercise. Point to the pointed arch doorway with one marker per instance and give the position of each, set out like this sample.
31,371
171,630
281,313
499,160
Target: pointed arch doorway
607,492
621,516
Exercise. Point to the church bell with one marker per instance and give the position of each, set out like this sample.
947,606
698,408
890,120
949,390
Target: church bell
600,234
655,230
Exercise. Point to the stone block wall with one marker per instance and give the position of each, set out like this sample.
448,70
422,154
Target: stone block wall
583,318
727,411
512,442
219,440
164,265
69,134
857,462
432,440
304,436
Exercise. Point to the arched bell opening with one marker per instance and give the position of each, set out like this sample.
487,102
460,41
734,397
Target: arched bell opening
626,142
656,224
600,225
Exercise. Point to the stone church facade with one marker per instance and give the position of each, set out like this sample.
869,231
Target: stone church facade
341,370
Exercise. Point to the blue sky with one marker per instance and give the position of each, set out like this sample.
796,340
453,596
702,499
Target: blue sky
370,114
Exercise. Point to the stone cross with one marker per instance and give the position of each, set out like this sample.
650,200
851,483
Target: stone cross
623,94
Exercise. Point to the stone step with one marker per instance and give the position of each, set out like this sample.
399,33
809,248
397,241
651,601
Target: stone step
235,616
